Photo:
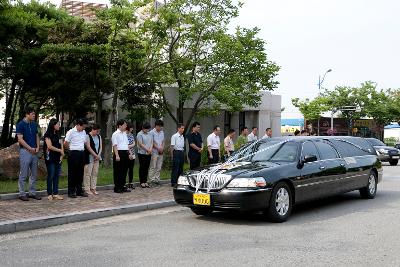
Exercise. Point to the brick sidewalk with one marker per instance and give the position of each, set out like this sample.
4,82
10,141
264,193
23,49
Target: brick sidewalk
11,210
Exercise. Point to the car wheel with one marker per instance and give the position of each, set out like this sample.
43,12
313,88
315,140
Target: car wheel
369,192
201,211
393,162
280,204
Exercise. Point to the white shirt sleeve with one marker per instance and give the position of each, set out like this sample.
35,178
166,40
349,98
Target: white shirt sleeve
68,136
173,141
209,140
114,139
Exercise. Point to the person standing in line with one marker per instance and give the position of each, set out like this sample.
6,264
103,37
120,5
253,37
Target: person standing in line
54,153
268,133
297,133
28,139
157,154
120,157
253,135
75,141
242,139
195,146
145,148
213,145
132,155
177,151
304,133
92,165
228,143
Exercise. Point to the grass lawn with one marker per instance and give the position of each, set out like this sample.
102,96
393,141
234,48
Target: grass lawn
105,178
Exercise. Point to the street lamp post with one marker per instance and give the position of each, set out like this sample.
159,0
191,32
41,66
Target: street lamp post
320,81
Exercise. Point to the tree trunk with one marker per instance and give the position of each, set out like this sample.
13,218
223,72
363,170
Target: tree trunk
12,118
7,114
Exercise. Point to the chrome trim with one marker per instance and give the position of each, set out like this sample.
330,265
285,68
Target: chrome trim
328,181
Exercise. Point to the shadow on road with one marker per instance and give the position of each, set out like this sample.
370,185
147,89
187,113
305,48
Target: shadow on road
313,211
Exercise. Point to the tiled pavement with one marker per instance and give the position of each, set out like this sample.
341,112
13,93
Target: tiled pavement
13,210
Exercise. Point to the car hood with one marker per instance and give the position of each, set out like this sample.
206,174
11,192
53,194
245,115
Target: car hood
239,168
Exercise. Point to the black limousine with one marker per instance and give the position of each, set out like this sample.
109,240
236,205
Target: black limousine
271,175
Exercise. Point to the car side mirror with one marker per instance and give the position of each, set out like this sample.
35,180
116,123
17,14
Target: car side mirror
309,158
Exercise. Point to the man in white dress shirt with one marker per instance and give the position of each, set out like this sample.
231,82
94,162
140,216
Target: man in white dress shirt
76,141
213,145
253,135
268,133
120,157
177,148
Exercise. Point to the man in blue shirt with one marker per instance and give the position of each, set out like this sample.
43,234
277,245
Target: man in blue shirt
28,139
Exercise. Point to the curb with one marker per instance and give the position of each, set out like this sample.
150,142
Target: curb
64,191
8,227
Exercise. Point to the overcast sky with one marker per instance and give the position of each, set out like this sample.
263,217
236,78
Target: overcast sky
358,39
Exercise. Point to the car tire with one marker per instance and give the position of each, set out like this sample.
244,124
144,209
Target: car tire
393,162
201,211
369,192
280,203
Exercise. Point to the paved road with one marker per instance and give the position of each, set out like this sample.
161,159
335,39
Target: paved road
343,230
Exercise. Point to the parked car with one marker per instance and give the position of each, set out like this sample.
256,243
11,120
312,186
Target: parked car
397,146
385,153
272,175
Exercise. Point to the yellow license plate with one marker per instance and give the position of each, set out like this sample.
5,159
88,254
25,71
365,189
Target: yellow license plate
201,199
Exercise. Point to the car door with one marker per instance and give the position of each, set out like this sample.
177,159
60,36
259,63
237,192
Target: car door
333,168
308,184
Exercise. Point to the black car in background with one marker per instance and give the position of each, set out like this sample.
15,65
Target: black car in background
272,175
385,153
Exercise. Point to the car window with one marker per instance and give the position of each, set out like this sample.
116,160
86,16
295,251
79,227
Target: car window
326,150
309,149
375,142
275,151
347,149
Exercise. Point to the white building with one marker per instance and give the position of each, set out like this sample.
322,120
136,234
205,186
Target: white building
266,115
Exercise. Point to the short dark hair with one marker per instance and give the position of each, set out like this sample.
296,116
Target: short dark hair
28,110
96,126
216,127
159,123
297,132
88,129
243,128
179,125
254,127
81,121
194,124
268,129
303,131
120,122
129,126
146,125
231,131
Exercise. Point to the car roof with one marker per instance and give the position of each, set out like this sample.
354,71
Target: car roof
308,138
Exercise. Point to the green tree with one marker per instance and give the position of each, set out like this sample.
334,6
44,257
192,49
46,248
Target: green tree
191,53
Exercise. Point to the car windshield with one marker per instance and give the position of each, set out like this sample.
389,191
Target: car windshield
274,151
376,142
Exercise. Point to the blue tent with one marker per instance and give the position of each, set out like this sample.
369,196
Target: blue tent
392,126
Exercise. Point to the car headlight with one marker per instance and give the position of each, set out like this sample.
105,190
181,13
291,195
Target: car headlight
182,180
383,151
247,183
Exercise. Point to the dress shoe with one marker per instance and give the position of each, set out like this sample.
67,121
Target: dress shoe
58,197
126,190
35,197
83,194
24,198
72,195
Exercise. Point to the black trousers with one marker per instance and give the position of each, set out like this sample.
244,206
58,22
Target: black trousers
215,154
195,160
177,166
131,164
76,165
144,161
120,170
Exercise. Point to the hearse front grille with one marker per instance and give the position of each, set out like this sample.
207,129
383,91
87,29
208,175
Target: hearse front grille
210,183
